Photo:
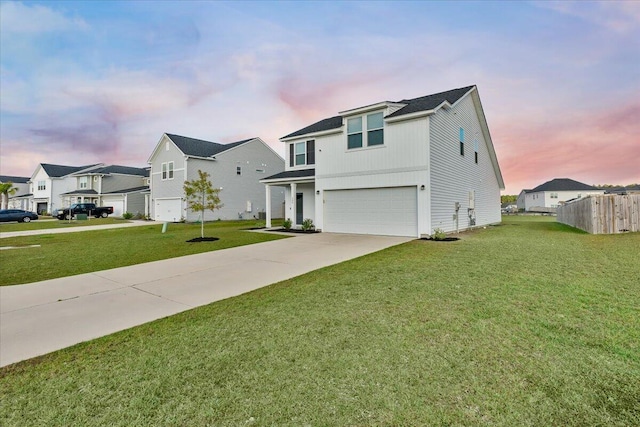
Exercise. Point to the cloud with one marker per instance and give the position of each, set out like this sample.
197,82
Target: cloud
619,16
592,147
19,18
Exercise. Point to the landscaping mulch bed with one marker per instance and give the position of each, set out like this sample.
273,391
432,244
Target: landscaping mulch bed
446,239
203,239
294,230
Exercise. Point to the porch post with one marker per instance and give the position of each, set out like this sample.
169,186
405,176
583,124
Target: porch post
293,205
268,205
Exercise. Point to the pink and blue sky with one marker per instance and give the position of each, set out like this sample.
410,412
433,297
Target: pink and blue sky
89,82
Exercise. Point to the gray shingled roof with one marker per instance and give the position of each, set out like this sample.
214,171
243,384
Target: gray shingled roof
14,179
325,124
129,190
201,148
302,173
424,103
124,170
563,184
57,171
429,102
83,192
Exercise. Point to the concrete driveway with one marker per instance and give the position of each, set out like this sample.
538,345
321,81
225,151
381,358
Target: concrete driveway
41,317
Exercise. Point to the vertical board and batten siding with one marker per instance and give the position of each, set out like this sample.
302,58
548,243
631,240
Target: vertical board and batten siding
453,176
170,188
402,161
603,214
237,190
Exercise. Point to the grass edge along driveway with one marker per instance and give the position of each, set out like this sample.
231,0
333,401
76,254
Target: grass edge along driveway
528,323
67,254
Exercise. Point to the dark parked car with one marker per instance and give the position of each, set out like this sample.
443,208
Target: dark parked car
19,215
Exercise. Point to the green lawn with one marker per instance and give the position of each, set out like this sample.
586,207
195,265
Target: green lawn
530,323
67,254
41,225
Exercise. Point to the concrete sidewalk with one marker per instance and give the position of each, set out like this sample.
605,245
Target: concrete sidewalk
41,317
75,229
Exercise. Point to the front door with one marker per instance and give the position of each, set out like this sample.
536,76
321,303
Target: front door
299,213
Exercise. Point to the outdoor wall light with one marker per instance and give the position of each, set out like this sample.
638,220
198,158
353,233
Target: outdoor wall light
422,187
317,191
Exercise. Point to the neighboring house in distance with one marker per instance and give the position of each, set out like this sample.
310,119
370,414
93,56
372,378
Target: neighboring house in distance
124,188
399,168
622,190
236,168
19,199
522,199
552,193
48,182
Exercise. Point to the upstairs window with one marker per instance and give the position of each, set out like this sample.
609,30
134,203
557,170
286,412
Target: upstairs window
554,195
357,138
167,170
83,182
42,185
354,133
375,132
302,153
461,142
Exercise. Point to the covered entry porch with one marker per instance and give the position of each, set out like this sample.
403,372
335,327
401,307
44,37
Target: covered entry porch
299,195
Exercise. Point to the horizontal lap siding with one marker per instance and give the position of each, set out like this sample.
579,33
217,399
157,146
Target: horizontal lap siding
453,175
238,189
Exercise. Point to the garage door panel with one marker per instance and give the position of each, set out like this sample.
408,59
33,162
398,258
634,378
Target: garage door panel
385,211
168,210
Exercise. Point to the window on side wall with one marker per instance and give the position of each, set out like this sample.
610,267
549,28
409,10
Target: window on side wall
354,133
170,167
476,147
461,141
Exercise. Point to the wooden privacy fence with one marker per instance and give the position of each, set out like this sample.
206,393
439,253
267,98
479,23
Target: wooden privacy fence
603,214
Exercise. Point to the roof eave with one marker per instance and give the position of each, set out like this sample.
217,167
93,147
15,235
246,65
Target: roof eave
410,116
313,134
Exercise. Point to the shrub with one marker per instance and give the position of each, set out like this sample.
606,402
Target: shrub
438,234
286,224
307,224
127,215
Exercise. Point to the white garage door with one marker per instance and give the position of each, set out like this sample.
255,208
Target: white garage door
385,211
117,204
168,210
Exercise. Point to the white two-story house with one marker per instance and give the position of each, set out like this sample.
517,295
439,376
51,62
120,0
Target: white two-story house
48,182
235,168
399,168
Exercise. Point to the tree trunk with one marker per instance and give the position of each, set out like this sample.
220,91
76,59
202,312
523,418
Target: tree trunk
202,218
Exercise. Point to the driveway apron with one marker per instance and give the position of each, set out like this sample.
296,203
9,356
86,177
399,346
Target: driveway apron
41,317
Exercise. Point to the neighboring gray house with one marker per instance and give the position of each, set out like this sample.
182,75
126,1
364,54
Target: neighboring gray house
546,197
48,182
19,199
123,187
399,168
521,199
235,168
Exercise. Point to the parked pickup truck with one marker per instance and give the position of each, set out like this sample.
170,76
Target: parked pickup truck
90,209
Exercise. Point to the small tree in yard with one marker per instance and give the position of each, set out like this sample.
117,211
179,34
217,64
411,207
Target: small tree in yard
201,196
